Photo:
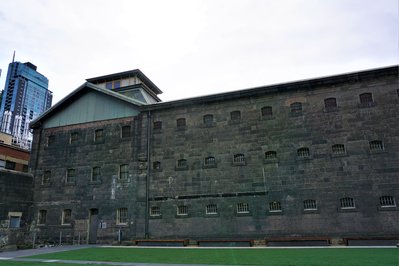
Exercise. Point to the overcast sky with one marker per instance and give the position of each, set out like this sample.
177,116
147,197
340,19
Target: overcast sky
190,48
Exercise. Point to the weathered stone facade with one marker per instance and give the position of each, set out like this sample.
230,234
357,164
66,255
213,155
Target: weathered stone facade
16,208
308,159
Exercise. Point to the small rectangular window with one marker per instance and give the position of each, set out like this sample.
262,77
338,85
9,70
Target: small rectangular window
42,217
181,123
46,177
303,153
347,203
387,201
376,145
10,165
108,85
182,210
211,209
270,155
50,140
123,171
96,174
66,217
310,205
366,98
70,175
275,206
156,165
121,216
125,132
15,221
235,116
208,119
210,161
182,163
99,135
74,137
155,211
338,149
267,111
157,125
117,84
242,207
239,158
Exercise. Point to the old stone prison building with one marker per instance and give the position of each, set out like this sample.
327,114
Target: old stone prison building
312,160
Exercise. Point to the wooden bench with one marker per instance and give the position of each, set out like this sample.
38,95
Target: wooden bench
162,242
297,241
224,243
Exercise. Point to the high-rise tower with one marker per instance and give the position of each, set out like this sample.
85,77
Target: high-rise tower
25,97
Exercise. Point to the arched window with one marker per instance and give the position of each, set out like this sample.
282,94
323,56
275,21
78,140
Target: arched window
330,103
296,108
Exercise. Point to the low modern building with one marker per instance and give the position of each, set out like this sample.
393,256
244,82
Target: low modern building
311,160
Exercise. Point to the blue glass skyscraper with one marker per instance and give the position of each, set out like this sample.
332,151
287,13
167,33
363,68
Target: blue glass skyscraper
25,97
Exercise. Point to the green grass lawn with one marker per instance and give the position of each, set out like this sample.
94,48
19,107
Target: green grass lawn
20,263
254,256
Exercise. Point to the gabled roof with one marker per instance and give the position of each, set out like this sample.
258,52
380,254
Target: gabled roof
75,94
126,74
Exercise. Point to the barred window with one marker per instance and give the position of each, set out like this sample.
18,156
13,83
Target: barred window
125,132
66,216
347,203
303,153
242,207
239,158
330,103
296,107
366,98
121,216
70,175
275,206
267,111
235,115
208,119
309,205
46,177
155,211
387,201
182,210
42,217
338,149
211,209
156,165
74,137
157,125
123,171
181,122
50,140
96,174
99,135
376,145
269,155
182,163
210,161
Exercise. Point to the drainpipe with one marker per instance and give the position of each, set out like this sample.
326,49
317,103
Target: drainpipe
147,180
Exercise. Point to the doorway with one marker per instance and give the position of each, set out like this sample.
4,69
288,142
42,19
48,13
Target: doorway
93,226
